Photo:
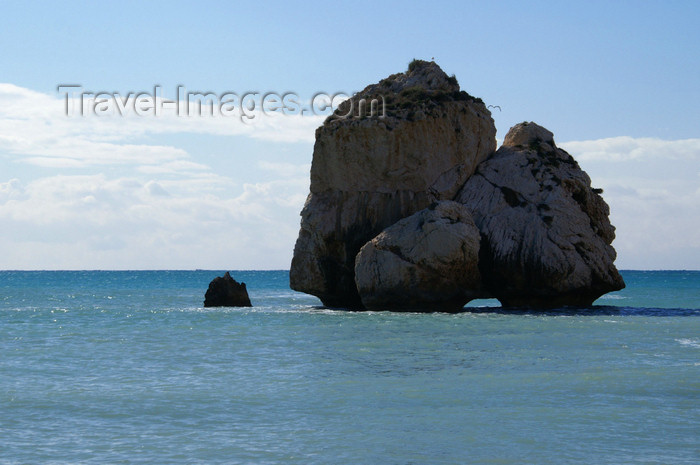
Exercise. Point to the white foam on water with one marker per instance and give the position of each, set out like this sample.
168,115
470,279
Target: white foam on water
613,297
689,342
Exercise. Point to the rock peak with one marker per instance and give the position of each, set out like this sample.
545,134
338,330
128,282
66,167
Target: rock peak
426,75
423,89
429,75
526,134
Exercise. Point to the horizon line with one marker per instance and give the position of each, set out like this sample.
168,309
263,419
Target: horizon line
245,270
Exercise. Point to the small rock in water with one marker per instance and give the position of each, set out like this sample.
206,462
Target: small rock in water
226,292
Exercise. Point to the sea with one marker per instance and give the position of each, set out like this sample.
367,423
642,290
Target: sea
127,367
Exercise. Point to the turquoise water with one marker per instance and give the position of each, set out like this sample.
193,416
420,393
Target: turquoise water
127,367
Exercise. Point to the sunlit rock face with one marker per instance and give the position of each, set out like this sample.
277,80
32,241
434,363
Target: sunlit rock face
369,172
412,208
425,262
545,231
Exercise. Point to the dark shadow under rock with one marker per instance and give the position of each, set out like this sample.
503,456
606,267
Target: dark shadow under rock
226,292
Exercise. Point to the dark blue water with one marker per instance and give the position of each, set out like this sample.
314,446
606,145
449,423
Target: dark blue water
127,367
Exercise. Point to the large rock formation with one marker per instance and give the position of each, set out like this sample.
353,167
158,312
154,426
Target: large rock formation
521,224
226,292
545,232
428,261
368,172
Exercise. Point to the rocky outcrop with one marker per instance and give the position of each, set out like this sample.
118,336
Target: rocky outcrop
226,292
411,207
428,261
545,232
370,171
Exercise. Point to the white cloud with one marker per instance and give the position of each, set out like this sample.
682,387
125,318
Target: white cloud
651,186
35,129
173,167
624,148
95,222
286,169
10,190
115,199
123,192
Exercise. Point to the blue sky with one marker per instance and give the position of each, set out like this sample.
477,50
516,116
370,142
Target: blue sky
617,83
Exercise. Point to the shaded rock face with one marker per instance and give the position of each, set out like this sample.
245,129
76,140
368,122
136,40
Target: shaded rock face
226,292
428,261
545,232
368,173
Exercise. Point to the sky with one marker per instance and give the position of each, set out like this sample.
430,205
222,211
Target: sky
617,83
